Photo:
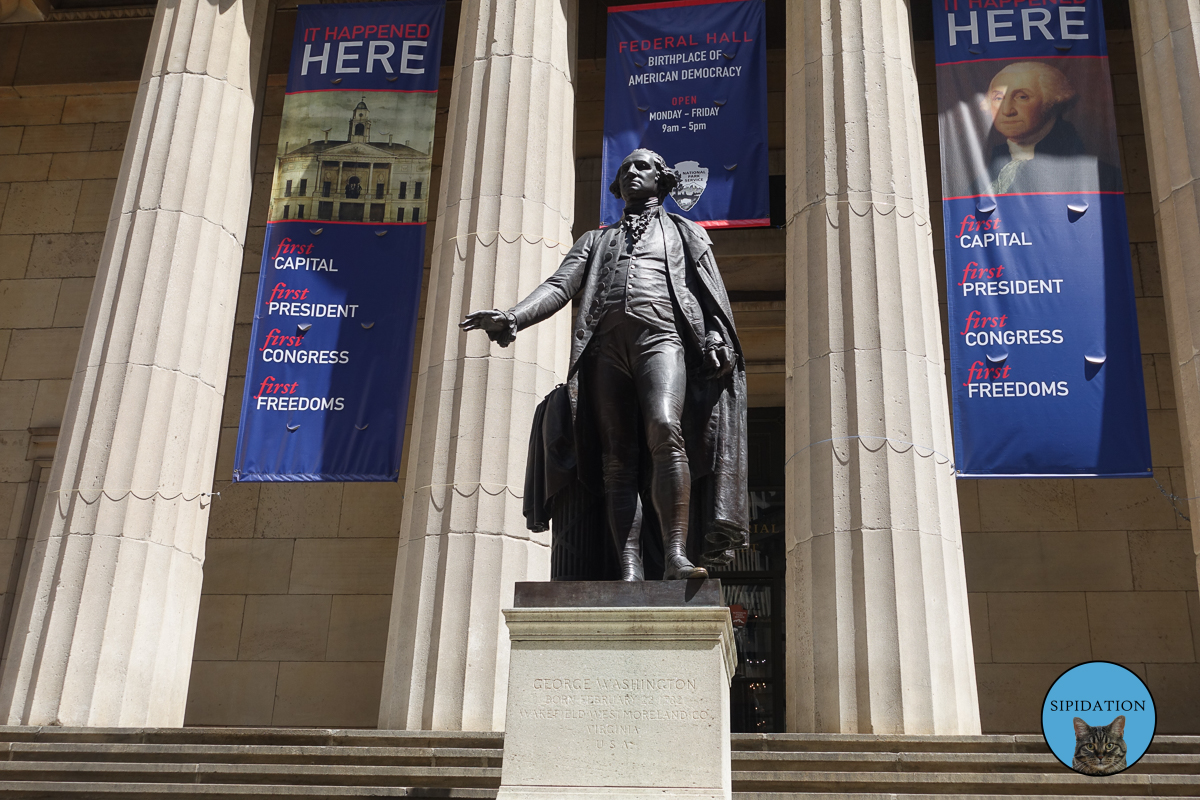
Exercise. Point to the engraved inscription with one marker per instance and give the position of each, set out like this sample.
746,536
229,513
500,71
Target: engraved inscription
618,713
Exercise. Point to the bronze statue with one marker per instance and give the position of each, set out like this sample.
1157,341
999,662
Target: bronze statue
657,376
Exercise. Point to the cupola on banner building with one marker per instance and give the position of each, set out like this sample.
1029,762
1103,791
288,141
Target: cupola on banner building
144,590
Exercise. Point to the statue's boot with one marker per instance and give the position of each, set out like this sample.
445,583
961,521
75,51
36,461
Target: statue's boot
678,567
629,540
631,564
631,551
671,488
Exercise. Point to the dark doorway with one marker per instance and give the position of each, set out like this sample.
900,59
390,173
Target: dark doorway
753,588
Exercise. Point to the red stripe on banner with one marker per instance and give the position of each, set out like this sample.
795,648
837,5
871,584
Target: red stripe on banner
734,223
311,221
1031,58
1022,194
669,4
395,91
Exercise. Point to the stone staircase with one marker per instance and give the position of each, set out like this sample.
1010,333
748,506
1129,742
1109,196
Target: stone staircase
235,763
826,766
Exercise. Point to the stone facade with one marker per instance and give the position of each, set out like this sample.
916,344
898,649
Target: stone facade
48,258
298,580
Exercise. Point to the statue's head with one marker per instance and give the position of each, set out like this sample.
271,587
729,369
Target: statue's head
643,174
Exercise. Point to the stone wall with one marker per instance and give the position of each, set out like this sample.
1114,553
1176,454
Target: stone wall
63,123
1063,571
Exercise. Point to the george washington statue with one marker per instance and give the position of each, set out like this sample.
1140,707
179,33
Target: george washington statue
657,379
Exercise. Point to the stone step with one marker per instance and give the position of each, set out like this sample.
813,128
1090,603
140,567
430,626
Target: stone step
236,763
368,738
884,743
126,791
744,761
283,737
293,774
252,754
316,737
46,790
1059,783
859,743
1054,780
843,760
737,795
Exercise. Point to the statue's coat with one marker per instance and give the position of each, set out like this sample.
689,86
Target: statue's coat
714,419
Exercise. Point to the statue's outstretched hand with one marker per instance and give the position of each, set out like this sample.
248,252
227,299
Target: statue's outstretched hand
498,325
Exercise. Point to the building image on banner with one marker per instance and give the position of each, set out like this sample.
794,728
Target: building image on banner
346,157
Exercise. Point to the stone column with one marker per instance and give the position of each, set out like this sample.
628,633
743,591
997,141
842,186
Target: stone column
106,615
1166,39
878,634
503,224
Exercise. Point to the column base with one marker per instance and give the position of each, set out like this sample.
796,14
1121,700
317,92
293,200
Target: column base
618,690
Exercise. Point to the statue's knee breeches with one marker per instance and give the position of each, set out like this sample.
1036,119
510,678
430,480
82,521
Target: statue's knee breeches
664,439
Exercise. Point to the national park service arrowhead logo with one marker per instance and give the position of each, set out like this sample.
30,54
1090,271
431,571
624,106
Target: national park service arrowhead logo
693,179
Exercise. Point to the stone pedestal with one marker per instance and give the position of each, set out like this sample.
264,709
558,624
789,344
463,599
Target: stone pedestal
619,690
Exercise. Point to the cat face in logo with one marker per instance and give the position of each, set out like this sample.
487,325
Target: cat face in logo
1099,750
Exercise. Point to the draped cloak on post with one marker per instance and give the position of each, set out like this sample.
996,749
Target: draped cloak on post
714,416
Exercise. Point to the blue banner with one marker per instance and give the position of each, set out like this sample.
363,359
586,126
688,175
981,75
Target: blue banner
331,351
688,80
1045,364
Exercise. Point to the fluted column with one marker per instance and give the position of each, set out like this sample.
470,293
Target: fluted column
106,615
1166,36
878,633
503,224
